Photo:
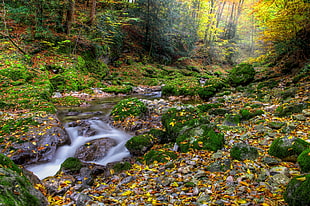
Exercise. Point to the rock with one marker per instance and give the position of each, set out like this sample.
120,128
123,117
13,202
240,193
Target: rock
304,160
298,190
138,145
299,117
241,151
42,144
59,186
220,166
288,148
94,150
16,188
270,161
279,179
275,125
279,170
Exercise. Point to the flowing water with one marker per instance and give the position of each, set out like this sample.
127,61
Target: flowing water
102,128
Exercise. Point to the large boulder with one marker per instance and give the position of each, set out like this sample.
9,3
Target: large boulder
241,151
297,191
139,145
241,74
16,189
95,149
288,148
42,142
304,160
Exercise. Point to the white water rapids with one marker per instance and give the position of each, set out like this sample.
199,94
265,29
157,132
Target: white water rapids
116,153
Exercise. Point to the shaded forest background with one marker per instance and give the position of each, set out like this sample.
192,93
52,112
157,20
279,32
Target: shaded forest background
205,32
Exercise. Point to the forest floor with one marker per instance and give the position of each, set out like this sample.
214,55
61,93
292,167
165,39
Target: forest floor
188,179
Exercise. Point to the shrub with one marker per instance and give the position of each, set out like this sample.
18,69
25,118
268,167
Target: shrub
138,145
128,107
297,191
241,74
304,160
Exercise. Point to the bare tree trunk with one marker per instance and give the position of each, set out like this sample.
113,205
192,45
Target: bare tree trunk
92,12
70,16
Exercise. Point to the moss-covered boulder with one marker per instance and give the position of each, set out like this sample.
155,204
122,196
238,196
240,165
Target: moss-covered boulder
248,114
138,145
16,189
289,109
128,107
159,156
177,121
243,151
241,74
304,160
210,88
297,191
71,165
122,166
203,137
288,148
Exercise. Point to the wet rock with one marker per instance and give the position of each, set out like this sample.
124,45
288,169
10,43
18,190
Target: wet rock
95,149
42,144
59,186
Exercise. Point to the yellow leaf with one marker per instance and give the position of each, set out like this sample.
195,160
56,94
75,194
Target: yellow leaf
241,201
127,193
301,178
172,123
264,204
174,184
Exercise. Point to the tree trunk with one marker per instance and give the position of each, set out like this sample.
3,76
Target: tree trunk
70,16
92,12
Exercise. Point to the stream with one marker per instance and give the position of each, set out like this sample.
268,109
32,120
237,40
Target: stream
95,114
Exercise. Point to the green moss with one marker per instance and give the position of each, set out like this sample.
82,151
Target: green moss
121,166
159,156
290,147
304,160
204,137
138,145
211,87
247,114
8,163
241,74
67,101
72,164
128,107
207,107
175,121
288,109
186,86
297,191
243,152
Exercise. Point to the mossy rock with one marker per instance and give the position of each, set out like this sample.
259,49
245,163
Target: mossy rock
122,166
128,107
71,164
210,88
243,151
304,160
247,114
288,109
177,121
232,120
204,137
67,101
297,191
16,189
242,74
288,148
207,107
159,134
138,145
159,156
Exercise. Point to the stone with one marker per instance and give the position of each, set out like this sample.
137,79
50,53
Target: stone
241,151
279,179
95,150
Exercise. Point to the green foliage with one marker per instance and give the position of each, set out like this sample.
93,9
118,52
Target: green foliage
241,74
93,67
128,107
304,160
122,166
186,86
71,164
17,72
138,145
11,125
159,156
290,147
297,191
207,107
6,162
243,151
